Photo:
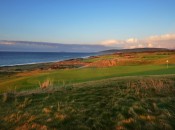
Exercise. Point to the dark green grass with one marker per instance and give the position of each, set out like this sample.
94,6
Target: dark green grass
131,103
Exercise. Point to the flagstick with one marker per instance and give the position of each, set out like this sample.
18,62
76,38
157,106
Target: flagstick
167,64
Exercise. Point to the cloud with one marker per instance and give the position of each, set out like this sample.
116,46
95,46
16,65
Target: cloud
162,37
140,45
110,42
132,40
150,45
131,47
7,42
162,41
157,41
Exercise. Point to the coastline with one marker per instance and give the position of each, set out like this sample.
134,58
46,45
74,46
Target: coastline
47,62
25,64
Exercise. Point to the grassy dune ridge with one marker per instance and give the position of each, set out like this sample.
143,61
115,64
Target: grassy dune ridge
128,103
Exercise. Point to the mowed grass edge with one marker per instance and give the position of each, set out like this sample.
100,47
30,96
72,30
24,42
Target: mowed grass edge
70,76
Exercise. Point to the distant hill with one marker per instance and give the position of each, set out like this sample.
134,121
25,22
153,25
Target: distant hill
133,50
28,46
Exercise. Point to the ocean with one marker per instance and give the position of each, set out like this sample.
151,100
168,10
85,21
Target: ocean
22,58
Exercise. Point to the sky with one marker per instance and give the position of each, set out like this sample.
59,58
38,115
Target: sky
117,23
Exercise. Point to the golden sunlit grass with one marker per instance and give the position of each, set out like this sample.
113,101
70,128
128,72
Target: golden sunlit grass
45,84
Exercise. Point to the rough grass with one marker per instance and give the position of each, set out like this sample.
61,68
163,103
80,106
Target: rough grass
138,58
45,84
118,103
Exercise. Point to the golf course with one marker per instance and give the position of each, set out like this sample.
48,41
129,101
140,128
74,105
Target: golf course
120,91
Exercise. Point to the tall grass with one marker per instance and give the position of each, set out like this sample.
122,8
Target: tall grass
139,103
45,84
157,86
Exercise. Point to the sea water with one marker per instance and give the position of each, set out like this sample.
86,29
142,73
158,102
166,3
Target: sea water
21,58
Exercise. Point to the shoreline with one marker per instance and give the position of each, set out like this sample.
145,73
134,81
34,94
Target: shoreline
49,62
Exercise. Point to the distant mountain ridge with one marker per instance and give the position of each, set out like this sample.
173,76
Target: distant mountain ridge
28,46
133,50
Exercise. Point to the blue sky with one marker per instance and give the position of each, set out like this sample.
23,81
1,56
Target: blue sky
85,21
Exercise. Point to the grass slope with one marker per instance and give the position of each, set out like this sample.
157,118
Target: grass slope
118,103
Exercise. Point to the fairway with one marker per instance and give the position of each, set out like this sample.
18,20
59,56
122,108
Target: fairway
69,76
